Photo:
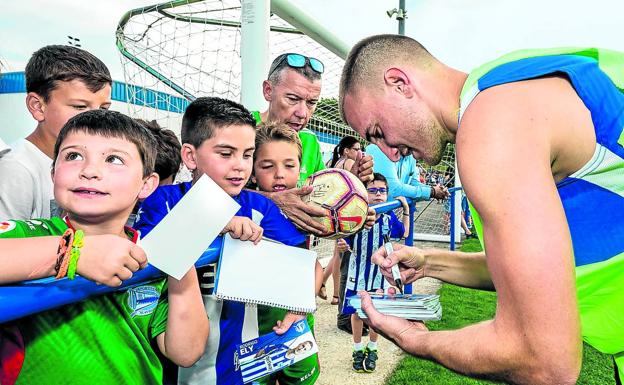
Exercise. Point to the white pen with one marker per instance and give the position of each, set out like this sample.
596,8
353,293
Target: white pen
396,274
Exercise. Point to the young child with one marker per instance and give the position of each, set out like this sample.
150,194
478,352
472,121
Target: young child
168,157
218,139
276,168
363,274
61,81
103,162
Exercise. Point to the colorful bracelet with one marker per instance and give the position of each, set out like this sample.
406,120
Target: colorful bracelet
62,253
75,254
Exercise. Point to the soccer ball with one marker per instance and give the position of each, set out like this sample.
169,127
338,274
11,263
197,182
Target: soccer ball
343,197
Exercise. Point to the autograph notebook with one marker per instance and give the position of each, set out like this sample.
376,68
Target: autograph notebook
269,273
270,352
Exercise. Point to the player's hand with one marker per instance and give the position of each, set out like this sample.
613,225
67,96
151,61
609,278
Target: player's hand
342,246
290,318
363,167
300,213
370,218
440,192
395,329
244,229
403,204
109,259
411,262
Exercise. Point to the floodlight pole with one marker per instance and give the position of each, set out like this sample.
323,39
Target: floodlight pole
254,52
401,17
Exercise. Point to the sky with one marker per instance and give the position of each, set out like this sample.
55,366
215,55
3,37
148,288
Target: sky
462,33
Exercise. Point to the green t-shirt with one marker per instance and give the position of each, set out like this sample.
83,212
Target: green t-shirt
311,157
108,339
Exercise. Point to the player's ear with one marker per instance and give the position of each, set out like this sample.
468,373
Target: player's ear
150,183
267,90
189,156
399,81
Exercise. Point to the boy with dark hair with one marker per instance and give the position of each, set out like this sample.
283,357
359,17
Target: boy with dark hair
363,274
218,139
103,163
168,158
61,81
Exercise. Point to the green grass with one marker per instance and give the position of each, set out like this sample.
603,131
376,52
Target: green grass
464,307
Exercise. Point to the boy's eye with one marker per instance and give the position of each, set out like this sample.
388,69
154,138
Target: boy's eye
226,154
114,159
79,106
73,156
266,166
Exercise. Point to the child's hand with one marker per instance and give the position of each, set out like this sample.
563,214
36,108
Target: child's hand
342,246
404,204
244,229
371,216
109,259
289,319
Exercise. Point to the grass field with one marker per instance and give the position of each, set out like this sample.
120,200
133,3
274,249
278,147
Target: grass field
463,307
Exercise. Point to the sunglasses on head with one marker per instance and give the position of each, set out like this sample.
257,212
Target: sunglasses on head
375,190
296,60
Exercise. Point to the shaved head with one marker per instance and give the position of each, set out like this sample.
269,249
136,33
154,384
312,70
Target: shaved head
367,60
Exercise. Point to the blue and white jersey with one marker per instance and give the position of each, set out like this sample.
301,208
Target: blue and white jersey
231,323
363,274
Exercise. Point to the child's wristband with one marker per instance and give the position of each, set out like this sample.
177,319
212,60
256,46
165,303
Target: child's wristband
62,253
75,254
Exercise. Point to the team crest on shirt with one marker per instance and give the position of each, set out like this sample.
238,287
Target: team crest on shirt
6,226
299,327
142,300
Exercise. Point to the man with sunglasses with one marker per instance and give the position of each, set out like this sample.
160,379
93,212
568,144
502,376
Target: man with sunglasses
293,89
540,149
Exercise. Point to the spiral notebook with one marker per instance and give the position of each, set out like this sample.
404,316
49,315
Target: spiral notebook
269,273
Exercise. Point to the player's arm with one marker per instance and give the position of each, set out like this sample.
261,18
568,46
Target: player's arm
455,267
535,335
184,340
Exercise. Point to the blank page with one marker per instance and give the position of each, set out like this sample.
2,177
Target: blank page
268,273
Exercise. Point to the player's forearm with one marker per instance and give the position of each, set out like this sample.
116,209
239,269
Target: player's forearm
27,258
187,322
480,350
458,268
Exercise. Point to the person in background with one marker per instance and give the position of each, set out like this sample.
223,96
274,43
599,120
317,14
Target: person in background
293,90
61,81
404,177
168,157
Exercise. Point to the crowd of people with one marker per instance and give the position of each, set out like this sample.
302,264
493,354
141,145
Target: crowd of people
78,193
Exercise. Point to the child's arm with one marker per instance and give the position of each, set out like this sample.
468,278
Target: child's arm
406,216
184,340
106,259
244,229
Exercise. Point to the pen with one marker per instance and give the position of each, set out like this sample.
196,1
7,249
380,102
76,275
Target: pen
396,274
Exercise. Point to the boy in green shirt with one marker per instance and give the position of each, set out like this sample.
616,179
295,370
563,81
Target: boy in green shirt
103,163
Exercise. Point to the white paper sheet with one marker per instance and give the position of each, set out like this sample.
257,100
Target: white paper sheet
181,237
269,273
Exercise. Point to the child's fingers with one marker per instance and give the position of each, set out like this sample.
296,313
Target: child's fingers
138,254
124,274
